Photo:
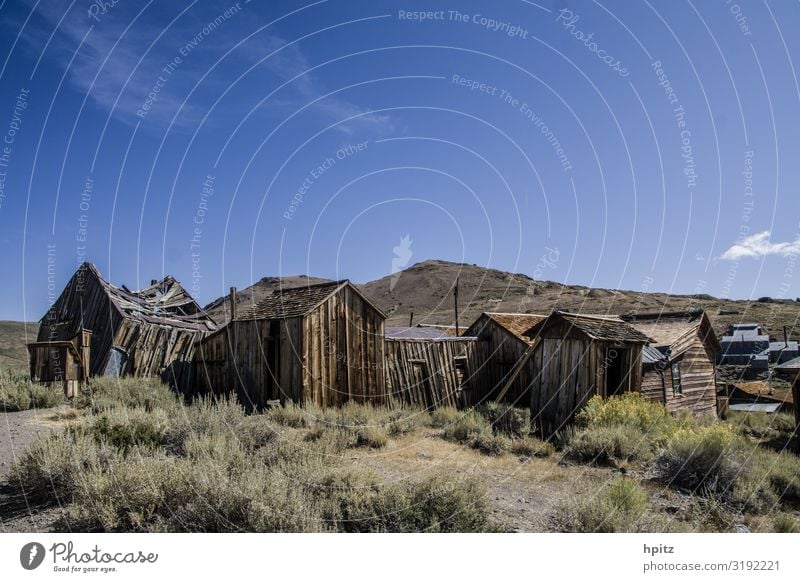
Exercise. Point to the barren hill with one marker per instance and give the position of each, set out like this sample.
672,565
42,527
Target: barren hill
426,289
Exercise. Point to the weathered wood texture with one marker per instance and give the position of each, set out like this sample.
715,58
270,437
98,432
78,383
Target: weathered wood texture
577,359
503,345
330,351
691,343
433,373
154,331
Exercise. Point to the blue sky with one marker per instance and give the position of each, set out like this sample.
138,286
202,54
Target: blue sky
645,145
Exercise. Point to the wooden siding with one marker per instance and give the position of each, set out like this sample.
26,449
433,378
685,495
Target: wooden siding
502,351
433,373
569,368
698,381
152,345
333,354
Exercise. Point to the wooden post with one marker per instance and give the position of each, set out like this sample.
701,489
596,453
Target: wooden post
455,300
796,399
233,303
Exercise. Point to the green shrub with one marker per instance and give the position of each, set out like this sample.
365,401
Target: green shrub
444,417
402,421
786,524
507,420
289,415
617,507
50,468
490,443
609,445
436,504
532,447
628,410
760,425
467,426
125,428
705,460
17,392
782,471
106,392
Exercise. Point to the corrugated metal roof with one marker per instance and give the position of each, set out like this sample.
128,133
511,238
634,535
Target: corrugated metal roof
422,333
768,407
651,355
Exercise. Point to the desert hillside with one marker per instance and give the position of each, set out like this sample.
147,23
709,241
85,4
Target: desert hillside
426,290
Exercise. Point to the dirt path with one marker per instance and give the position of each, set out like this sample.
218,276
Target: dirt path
17,431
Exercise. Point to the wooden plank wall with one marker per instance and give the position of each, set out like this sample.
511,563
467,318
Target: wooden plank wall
503,350
656,383
333,355
152,349
83,294
698,381
425,373
568,371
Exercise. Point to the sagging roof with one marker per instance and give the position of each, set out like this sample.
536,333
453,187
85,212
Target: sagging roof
515,323
297,301
422,333
164,303
597,327
671,328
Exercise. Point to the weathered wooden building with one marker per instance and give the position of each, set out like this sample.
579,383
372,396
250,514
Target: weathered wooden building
791,371
320,344
150,332
430,368
504,343
62,362
574,357
684,376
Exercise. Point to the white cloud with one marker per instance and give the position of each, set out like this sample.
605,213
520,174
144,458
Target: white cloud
758,245
117,66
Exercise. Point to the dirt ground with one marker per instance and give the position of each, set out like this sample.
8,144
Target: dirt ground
17,431
523,493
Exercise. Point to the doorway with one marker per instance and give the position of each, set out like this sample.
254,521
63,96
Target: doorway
421,384
616,363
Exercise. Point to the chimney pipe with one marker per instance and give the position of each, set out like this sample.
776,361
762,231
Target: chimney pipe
785,337
411,319
233,303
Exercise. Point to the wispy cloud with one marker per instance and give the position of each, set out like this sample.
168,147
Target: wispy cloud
118,68
758,246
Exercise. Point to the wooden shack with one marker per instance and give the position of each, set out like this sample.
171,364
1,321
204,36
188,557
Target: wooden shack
64,363
574,357
320,344
150,332
790,371
430,368
684,376
504,344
